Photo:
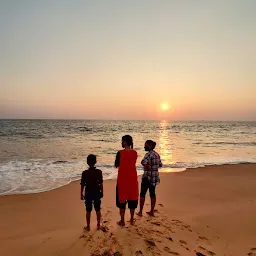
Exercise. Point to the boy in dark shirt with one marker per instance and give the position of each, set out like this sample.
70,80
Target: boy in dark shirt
93,183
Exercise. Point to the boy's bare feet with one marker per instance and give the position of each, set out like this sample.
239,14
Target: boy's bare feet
151,214
139,214
87,228
120,223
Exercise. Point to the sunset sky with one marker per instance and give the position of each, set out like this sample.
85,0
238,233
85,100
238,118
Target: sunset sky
124,59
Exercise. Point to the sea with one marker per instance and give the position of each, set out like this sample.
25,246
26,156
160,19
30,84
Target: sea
41,155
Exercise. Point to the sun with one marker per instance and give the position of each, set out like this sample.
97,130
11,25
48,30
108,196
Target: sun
164,107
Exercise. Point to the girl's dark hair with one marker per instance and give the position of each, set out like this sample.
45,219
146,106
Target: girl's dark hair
128,139
151,143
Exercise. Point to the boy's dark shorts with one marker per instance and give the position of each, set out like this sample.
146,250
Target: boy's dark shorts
145,185
132,204
95,201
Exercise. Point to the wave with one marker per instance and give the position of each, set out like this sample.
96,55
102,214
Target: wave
226,143
61,162
34,176
26,135
84,129
236,143
221,162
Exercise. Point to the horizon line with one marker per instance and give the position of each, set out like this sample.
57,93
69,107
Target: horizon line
99,119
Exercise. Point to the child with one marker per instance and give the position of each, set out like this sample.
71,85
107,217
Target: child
93,183
150,179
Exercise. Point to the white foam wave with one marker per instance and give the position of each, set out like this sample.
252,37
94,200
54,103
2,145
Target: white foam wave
34,176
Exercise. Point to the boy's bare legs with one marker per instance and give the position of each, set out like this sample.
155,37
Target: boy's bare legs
142,201
153,203
88,219
132,220
98,213
122,213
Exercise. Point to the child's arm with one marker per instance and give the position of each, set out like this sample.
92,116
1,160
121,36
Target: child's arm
101,188
145,162
83,182
82,193
101,183
117,161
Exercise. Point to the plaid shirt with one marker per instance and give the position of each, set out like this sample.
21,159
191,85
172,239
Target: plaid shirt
152,159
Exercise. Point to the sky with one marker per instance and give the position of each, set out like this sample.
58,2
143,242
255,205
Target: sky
119,59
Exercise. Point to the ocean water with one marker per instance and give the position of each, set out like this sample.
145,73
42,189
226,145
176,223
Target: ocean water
40,155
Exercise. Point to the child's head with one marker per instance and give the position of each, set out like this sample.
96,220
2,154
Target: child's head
127,141
91,160
149,145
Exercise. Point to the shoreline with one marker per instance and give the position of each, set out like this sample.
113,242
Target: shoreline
186,170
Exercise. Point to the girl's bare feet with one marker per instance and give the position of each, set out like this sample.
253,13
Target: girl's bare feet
139,214
87,228
120,223
132,221
151,214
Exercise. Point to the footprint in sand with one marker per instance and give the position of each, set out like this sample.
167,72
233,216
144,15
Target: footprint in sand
207,251
202,238
178,221
46,240
167,249
156,223
117,254
181,225
150,243
161,205
104,229
107,252
252,252
183,242
159,232
152,247
200,254
138,253
106,222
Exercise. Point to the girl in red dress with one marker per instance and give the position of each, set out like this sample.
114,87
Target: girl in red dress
127,181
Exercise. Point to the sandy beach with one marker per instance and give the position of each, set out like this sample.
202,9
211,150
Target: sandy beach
208,210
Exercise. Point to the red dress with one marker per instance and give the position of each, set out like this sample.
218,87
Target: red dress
127,180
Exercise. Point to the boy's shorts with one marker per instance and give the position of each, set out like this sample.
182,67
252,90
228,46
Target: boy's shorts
89,201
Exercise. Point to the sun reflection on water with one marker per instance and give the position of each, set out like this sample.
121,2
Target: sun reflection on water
165,147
